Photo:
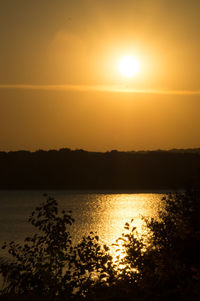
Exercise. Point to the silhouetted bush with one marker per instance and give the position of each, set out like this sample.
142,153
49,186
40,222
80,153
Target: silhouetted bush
163,266
168,267
48,265
174,255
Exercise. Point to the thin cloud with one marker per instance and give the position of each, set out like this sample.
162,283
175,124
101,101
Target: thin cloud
99,88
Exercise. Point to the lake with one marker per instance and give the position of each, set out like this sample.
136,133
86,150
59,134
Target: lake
98,211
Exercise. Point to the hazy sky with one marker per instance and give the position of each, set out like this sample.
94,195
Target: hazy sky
59,80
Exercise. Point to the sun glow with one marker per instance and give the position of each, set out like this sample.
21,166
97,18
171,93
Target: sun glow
129,66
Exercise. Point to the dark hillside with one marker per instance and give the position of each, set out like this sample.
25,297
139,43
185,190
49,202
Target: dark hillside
66,169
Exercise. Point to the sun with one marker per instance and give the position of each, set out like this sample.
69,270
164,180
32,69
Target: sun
129,66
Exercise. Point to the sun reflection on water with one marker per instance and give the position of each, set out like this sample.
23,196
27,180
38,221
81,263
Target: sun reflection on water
112,211
100,212
116,210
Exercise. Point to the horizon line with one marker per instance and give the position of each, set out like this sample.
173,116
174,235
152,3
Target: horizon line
97,88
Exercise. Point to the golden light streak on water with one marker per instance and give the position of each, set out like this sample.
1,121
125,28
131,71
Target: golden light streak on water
112,211
104,213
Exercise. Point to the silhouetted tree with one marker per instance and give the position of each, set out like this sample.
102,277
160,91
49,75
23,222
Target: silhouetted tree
48,265
169,266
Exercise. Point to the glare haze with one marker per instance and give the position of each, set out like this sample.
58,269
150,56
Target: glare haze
79,44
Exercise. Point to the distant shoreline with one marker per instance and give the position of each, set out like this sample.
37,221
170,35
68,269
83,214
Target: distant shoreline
96,191
65,169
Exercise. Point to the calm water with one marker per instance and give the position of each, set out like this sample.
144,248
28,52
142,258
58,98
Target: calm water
105,213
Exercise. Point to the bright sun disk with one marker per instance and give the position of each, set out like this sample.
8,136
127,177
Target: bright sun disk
129,66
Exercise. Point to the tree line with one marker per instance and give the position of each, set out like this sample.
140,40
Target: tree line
79,169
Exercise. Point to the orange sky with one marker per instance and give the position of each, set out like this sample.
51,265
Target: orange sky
59,80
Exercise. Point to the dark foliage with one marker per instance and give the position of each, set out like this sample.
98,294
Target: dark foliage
174,255
168,268
48,265
163,266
